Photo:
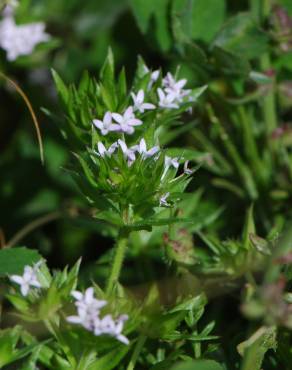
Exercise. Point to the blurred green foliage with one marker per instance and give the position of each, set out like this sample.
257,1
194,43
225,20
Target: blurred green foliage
240,131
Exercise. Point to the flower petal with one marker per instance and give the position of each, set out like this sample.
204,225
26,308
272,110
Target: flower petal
97,123
117,117
17,279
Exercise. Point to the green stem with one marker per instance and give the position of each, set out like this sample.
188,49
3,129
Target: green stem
138,348
269,101
250,143
119,256
197,348
266,8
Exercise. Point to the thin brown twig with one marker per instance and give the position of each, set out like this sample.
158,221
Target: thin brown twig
32,226
32,113
2,238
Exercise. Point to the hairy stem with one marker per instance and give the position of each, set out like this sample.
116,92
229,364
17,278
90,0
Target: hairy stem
120,250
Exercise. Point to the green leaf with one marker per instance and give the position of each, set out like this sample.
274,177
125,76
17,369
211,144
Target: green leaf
287,4
249,227
145,224
260,244
241,36
61,87
165,364
13,260
186,154
122,85
182,20
260,78
230,63
191,304
8,342
207,18
152,15
9,339
198,365
111,359
255,348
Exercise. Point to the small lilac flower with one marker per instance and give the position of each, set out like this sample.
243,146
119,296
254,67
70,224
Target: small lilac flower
169,162
163,200
129,154
10,8
106,125
107,325
88,309
118,329
187,170
139,102
88,316
153,77
127,121
175,88
87,299
102,151
170,82
28,279
166,100
141,148
19,40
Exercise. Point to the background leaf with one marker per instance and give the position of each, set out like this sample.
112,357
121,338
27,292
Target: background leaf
240,35
12,261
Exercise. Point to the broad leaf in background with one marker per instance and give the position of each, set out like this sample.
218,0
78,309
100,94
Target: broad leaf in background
287,4
207,18
152,14
12,261
240,35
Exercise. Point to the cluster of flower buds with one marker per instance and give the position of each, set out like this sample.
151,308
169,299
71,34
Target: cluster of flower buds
88,316
28,280
19,40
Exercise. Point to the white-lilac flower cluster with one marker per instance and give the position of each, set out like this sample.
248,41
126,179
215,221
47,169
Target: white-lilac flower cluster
19,40
28,279
88,316
173,92
170,95
123,123
129,153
